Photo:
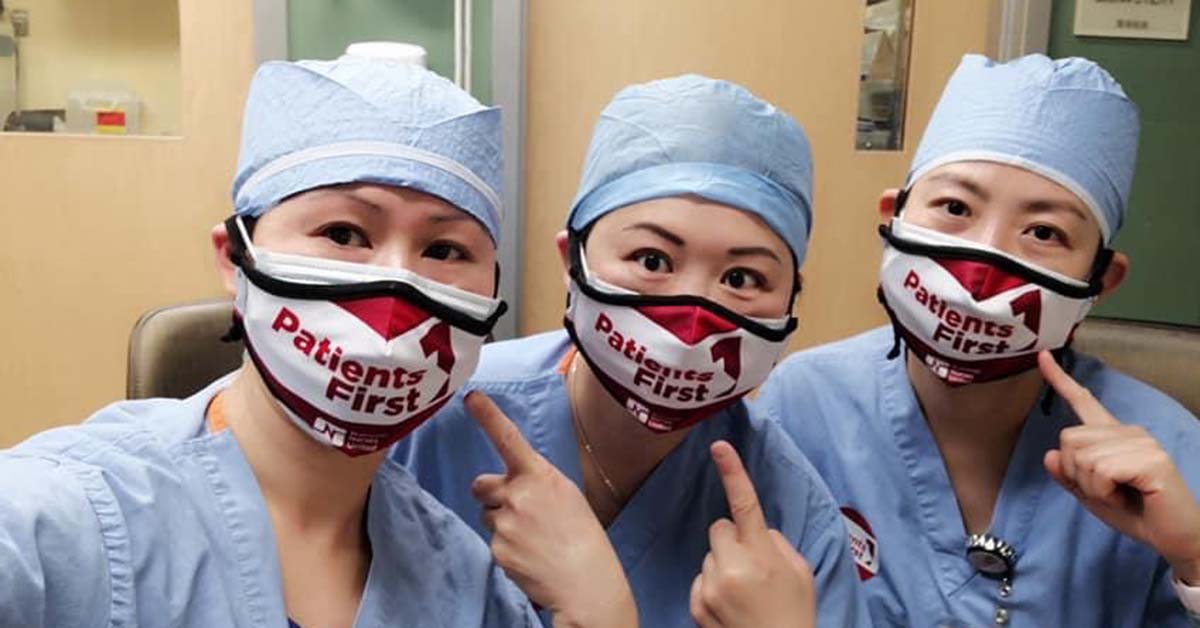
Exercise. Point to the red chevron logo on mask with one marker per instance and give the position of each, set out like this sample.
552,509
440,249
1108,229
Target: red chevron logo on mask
983,281
689,323
388,316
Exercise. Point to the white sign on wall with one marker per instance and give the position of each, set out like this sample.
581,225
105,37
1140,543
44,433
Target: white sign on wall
1140,19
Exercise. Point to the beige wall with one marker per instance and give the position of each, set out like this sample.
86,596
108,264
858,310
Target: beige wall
130,43
98,230
802,55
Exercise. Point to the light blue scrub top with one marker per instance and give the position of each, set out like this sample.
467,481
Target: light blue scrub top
141,517
854,414
661,536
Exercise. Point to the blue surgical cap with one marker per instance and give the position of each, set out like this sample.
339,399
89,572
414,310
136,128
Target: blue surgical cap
695,135
359,119
1065,119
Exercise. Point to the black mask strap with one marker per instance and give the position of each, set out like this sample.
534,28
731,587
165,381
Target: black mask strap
1100,262
576,273
237,332
895,351
901,201
239,255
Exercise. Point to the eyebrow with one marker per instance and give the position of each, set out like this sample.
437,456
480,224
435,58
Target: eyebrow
658,231
443,215
347,195
454,215
1045,206
761,251
962,182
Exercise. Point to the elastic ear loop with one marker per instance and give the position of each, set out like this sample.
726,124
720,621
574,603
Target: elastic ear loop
894,352
901,200
237,332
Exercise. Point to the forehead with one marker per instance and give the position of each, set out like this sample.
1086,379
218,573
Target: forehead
382,209
385,204
372,196
694,219
1007,187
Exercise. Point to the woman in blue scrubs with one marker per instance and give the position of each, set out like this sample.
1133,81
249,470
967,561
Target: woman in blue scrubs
362,255
681,253
988,473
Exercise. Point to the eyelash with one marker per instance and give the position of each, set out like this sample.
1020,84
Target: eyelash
1057,233
760,282
354,230
946,203
461,251
641,255
458,250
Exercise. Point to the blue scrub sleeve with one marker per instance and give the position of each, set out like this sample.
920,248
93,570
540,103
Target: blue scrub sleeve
54,567
1164,607
507,606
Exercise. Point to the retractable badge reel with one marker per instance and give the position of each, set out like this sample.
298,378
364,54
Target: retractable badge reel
994,558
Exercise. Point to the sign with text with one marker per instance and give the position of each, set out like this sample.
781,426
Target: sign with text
1138,19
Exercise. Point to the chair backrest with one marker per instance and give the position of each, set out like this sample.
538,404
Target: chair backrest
175,351
1165,356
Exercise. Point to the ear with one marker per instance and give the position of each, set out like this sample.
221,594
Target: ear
799,291
1118,268
563,242
221,253
887,204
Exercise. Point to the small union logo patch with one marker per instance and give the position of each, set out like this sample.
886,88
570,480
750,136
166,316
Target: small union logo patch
863,545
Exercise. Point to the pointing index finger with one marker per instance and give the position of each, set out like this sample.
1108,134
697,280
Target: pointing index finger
739,490
1081,400
516,452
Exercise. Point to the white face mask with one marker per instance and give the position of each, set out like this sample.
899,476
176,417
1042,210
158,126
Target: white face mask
972,313
356,355
670,361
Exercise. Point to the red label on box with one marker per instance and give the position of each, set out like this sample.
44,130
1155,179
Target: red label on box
110,118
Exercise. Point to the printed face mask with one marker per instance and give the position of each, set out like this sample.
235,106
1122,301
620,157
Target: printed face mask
356,355
972,313
669,360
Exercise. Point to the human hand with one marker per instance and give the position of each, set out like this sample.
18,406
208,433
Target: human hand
544,534
1122,475
752,576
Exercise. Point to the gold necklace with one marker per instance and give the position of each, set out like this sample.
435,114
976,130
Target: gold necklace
587,443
